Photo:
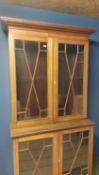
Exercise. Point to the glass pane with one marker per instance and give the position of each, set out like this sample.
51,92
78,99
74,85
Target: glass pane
31,79
70,79
36,157
75,153
18,44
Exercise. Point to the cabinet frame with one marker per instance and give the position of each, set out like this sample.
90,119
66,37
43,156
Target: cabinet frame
53,127
57,148
73,40
90,146
35,137
25,29
52,75
32,36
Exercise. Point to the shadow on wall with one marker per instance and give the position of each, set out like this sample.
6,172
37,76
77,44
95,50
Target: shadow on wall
96,145
93,91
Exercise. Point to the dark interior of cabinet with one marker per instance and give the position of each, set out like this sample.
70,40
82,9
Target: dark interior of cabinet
31,79
70,79
75,153
36,156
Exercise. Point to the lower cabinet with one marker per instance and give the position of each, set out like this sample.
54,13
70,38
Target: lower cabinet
66,152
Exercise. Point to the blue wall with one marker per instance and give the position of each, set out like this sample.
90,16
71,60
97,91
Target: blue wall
6,167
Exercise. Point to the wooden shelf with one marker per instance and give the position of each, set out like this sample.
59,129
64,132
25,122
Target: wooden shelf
51,127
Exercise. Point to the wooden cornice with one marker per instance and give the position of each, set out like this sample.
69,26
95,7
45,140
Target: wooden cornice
29,25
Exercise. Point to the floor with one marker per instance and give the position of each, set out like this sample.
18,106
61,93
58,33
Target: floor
96,167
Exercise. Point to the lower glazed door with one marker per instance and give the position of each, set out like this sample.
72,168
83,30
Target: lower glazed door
67,152
76,152
36,155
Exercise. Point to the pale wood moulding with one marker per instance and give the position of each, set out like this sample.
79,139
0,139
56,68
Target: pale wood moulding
51,128
29,24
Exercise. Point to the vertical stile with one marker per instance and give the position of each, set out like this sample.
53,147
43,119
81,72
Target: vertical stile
16,157
55,79
50,77
12,79
90,151
85,78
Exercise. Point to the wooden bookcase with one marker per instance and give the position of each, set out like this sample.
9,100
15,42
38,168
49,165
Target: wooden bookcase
49,78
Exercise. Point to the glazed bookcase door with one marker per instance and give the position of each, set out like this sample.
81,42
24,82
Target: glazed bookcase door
70,77
75,153
31,74
68,152
36,155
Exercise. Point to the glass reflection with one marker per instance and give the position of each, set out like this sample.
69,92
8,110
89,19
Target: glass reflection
31,79
70,79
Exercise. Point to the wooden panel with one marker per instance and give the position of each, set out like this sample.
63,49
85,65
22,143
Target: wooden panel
90,150
15,157
18,132
12,80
